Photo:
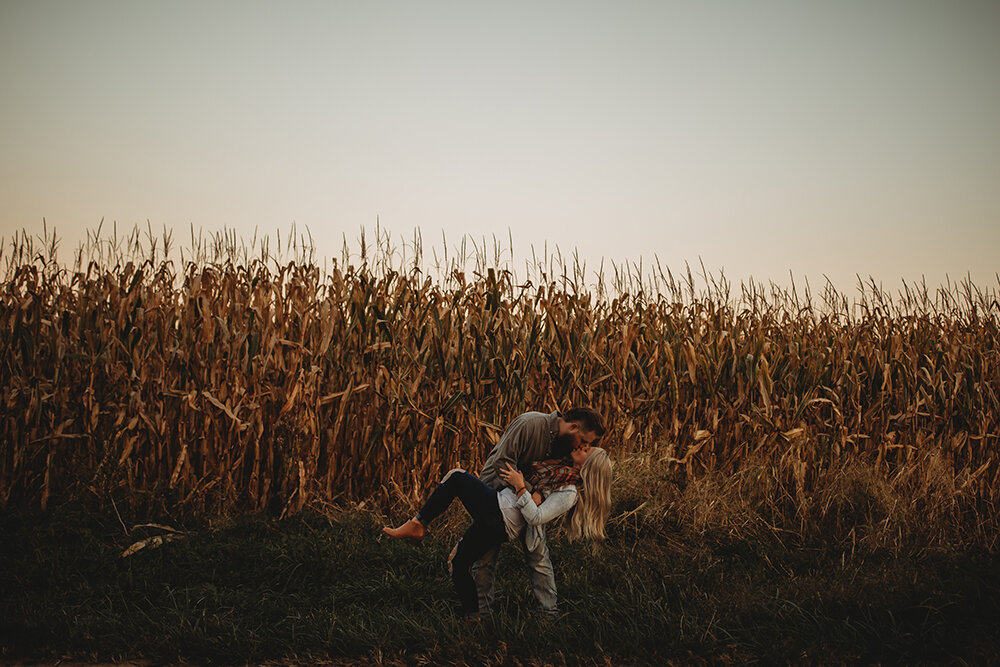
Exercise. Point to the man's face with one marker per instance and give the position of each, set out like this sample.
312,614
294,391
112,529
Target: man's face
573,438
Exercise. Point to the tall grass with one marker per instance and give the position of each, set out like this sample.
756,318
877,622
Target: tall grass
245,376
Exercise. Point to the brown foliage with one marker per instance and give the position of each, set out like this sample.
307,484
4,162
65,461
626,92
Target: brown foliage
246,384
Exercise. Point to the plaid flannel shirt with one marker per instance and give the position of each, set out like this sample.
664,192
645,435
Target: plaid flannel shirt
553,473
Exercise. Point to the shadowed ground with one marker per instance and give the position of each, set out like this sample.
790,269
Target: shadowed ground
327,586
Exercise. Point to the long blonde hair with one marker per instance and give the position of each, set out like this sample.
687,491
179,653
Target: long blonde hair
591,511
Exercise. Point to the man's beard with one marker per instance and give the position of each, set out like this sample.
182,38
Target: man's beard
562,445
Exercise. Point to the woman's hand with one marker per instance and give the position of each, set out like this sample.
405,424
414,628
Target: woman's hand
512,476
537,497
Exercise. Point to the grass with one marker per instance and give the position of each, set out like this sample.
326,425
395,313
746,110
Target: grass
671,584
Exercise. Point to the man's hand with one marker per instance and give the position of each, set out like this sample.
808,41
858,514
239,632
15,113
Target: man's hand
513,476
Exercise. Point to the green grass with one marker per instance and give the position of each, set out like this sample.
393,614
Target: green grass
325,585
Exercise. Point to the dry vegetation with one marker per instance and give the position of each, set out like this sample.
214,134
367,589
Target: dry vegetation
234,381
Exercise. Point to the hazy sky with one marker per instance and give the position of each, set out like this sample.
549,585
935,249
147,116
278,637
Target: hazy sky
833,138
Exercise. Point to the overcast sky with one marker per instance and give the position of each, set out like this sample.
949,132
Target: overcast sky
767,137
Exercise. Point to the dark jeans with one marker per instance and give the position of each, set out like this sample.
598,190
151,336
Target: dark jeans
486,533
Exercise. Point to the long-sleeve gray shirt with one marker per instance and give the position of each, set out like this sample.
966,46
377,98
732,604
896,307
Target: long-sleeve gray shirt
528,438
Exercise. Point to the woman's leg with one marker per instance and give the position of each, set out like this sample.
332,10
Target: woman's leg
479,500
481,538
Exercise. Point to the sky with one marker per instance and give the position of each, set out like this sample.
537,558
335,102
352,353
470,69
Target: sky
768,139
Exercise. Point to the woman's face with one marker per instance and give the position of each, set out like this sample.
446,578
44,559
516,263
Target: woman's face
579,455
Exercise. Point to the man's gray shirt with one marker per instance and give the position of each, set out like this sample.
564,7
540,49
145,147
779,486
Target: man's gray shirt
528,438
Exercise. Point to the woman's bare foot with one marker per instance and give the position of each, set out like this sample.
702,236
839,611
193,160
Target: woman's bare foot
411,531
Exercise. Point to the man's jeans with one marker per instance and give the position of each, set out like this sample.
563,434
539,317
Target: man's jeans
543,581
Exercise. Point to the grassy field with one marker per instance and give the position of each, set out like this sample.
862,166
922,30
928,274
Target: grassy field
683,585
799,477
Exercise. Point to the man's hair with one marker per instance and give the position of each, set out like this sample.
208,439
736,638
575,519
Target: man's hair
587,419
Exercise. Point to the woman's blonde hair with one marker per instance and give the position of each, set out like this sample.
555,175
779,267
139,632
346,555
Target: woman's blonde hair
594,505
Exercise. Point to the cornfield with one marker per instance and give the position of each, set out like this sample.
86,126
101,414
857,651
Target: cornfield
240,381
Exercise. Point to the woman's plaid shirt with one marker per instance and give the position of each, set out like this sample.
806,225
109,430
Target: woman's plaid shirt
553,473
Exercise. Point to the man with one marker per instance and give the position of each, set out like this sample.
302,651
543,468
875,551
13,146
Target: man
534,436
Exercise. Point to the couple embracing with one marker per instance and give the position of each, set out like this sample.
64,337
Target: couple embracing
543,466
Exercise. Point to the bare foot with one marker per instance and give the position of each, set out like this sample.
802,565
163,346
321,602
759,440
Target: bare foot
412,531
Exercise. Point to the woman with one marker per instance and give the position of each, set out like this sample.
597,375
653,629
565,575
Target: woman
583,489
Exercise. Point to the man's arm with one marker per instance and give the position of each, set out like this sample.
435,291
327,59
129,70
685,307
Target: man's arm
509,450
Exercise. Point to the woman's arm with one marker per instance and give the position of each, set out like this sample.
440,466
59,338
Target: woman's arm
514,478
558,503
